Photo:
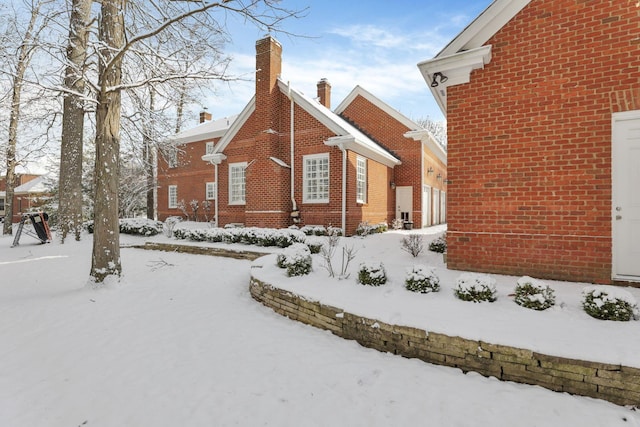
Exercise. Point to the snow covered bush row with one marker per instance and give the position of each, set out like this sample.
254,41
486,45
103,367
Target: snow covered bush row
296,259
364,228
609,303
136,226
534,294
250,235
319,230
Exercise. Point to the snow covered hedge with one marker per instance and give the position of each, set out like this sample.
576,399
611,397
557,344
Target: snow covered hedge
423,279
372,274
136,226
250,235
609,303
364,228
534,294
296,259
475,287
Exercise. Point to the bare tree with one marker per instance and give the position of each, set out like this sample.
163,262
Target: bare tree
437,129
163,17
24,53
70,199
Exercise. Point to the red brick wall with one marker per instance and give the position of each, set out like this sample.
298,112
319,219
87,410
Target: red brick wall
190,176
390,133
530,141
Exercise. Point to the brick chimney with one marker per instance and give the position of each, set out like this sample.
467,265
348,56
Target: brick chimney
324,92
268,69
205,117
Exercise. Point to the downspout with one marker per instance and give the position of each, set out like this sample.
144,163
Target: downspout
294,211
215,202
344,190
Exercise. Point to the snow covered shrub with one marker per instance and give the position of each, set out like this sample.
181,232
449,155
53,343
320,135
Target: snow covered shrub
534,294
315,247
169,225
422,279
439,245
372,274
475,287
609,303
397,224
296,259
413,244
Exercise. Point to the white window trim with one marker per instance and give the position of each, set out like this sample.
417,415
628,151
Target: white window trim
233,166
173,205
305,192
208,149
361,197
210,191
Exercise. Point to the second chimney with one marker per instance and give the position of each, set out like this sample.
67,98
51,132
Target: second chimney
205,117
324,92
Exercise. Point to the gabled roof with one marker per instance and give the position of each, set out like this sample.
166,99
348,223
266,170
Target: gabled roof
208,130
36,185
236,125
360,91
416,132
466,52
347,136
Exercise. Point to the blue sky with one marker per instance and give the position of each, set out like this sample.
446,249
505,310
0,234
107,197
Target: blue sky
375,44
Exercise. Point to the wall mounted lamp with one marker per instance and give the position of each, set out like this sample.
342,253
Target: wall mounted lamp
392,185
430,170
439,177
438,76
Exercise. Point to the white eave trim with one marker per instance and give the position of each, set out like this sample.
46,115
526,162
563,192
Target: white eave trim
430,142
485,26
348,142
457,68
214,158
280,162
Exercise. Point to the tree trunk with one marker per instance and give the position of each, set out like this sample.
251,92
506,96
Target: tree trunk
24,56
70,193
106,236
149,158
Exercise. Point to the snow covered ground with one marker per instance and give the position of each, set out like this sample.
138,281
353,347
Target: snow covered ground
180,342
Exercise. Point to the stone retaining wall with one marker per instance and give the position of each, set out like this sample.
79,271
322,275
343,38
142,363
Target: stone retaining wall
614,383
200,250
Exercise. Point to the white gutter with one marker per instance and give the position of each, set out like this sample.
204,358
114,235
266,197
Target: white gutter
343,216
293,198
215,159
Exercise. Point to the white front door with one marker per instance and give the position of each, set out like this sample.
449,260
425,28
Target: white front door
626,195
404,203
436,206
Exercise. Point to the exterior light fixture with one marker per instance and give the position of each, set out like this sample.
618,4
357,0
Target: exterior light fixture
438,76
392,185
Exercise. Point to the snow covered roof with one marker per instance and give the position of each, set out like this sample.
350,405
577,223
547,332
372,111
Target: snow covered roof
347,135
360,91
36,185
466,52
208,130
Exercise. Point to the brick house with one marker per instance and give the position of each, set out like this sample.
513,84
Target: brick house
288,159
542,99
29,194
